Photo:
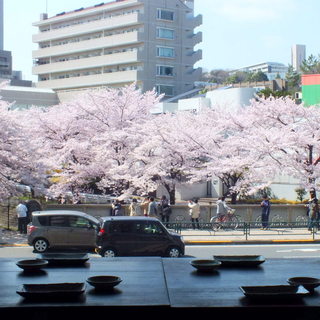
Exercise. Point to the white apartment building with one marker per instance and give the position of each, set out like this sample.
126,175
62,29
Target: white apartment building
149,42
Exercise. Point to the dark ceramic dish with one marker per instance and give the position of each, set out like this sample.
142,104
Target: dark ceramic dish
275,292
32,265
104,282
65,258
307,282
205,265
240,260
52,291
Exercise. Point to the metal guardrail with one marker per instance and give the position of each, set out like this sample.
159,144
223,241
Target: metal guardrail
279,227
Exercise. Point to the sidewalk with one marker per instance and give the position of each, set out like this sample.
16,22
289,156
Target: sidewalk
12,238
203,237
255,236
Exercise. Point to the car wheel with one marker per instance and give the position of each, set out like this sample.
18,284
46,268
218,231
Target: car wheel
108,253
173,252
40,245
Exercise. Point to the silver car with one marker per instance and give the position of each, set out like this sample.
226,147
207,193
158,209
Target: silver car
62,229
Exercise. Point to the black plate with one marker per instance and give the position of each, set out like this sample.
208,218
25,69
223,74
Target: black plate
240,260
274,292
52,291
65,258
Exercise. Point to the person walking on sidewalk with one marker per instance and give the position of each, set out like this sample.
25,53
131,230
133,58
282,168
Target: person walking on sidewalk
313,211
265,205
194,213
152,208
22,210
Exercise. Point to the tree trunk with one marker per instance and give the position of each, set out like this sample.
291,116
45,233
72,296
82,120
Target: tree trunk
234,198
172,192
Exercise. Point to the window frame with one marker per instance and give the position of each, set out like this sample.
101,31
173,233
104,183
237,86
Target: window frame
163,56
159,36
159,15
159,74
165,85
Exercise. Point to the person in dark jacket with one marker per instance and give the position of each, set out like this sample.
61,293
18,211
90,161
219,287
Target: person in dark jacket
265,205
116,208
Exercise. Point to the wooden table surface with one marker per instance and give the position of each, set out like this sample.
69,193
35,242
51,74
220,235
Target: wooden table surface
154,285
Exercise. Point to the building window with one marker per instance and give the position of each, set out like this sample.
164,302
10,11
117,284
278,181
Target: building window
165,89
165,33
165,71
165,52
163,14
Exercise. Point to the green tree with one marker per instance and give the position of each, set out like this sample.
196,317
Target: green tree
293,79
257,77
267,92
311,65
301,192
239,76
218,76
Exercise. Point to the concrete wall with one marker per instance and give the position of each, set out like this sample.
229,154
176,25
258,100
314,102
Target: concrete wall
231,98
194,104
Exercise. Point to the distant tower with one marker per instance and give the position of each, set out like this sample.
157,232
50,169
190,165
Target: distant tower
298,54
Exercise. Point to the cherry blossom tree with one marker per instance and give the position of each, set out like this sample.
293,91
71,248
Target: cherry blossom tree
86,141
164,155
108,141
285,136
247,148
19,160
219,151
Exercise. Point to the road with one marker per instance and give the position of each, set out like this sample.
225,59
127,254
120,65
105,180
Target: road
207,251
268,251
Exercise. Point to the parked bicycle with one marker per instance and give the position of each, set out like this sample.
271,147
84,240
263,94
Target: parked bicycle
228,221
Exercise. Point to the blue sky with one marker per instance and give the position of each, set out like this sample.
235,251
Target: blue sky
235,32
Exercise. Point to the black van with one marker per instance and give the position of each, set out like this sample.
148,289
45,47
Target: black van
137,236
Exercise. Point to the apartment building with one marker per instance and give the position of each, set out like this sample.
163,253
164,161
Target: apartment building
149,42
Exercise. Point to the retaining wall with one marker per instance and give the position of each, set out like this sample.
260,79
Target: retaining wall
249,213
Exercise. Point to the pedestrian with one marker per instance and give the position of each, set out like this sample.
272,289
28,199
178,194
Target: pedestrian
134,208
152,208
164,209
313,211
22,210
144,206
116,208
265,205
194,213
222,208
32,205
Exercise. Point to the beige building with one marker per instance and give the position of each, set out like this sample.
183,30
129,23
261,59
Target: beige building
150,42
